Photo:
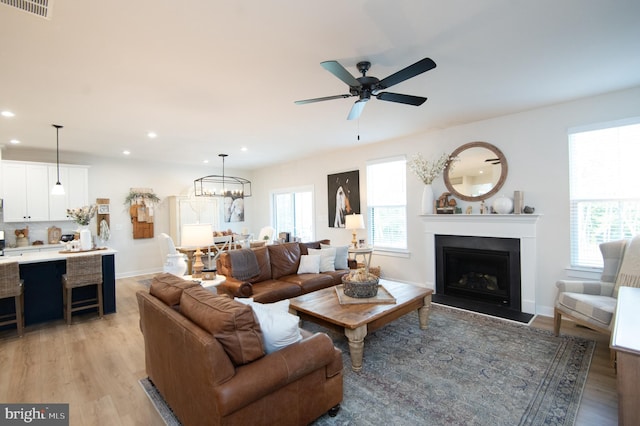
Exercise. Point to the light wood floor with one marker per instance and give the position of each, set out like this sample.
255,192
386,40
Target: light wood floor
94,365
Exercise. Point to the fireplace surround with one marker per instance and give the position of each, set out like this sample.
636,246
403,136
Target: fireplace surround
522,228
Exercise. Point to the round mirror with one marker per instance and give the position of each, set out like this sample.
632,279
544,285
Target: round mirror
478,171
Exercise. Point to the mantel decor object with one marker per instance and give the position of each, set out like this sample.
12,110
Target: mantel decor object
503,205
427,171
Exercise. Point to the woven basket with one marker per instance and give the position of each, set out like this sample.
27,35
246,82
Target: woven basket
359,289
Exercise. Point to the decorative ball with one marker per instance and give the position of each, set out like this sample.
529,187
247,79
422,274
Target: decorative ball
503,205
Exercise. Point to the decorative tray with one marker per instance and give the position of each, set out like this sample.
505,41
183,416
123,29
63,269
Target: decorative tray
383,297
81,251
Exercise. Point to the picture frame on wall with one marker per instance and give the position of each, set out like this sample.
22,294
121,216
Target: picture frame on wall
343,196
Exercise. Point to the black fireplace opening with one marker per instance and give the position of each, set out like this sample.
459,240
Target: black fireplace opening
481,274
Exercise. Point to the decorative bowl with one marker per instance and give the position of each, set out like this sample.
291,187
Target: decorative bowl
360,289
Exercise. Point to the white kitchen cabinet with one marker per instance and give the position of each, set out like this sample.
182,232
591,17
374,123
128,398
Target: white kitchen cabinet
25,191
75,181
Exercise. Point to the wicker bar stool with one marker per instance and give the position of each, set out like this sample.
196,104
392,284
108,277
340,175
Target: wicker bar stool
82,271
12,286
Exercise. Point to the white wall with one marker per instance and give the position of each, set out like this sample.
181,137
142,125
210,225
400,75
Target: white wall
535,145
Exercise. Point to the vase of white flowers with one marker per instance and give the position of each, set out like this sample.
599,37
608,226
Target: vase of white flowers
427,171
82,216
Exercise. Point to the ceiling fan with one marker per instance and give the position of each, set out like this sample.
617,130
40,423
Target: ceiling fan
366,86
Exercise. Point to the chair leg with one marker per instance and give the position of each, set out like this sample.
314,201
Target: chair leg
19,317
100,305
557,321
69,296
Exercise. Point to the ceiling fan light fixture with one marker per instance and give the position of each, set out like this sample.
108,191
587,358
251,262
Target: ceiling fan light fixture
57,189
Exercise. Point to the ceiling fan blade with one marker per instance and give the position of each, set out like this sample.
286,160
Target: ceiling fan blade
339,71
356,109
326,98
404,74
403,99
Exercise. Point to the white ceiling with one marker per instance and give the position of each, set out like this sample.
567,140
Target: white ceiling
215,76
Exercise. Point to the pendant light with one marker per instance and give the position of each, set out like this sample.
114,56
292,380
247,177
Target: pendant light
222,186
57,189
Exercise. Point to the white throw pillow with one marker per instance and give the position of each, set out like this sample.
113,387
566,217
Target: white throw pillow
279,327
342,256
309,264
327,258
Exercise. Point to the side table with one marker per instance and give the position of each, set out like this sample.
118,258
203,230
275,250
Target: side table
365,253
208,284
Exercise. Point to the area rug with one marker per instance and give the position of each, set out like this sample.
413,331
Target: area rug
465,369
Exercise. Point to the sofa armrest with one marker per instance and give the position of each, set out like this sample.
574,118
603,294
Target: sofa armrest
585,287
236,288
275,371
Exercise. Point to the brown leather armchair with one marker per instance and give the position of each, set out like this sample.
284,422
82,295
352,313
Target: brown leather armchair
193,371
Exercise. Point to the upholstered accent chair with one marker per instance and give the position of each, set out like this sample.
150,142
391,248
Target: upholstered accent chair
593,303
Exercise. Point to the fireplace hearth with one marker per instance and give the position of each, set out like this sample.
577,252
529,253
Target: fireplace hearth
481,274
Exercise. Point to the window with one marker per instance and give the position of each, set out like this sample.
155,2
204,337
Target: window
387,204
604,193
293,213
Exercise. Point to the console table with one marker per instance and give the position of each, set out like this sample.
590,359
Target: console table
625,340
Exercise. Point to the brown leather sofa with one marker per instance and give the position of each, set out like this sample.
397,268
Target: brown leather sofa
278,278
203,354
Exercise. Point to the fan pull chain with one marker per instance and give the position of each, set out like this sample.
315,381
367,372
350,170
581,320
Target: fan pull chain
358,129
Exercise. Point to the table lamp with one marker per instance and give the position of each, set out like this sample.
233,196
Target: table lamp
354,222
197,235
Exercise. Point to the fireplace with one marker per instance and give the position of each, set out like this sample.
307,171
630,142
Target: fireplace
480,274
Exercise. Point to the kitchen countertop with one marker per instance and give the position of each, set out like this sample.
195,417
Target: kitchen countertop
49,255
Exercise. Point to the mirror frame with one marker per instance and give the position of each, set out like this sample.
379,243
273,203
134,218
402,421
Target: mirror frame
498,185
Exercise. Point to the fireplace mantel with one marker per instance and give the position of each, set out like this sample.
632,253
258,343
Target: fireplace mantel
521,226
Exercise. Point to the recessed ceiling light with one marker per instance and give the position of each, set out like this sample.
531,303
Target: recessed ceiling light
205,161
14,141
7,114
152,135
244,149
125,152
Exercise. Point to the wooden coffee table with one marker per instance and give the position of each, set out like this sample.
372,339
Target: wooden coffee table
356,320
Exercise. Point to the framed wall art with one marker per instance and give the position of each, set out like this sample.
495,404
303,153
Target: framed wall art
344,196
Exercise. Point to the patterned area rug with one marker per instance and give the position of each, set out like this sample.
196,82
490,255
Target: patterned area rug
464,369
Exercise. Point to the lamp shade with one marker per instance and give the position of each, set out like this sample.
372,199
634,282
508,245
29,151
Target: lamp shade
197,235
354,221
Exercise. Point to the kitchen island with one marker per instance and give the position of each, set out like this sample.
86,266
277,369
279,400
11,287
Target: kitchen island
42,274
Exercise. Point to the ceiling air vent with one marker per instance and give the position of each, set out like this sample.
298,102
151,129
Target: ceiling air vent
41,8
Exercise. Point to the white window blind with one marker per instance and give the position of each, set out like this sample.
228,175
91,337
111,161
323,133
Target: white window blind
387,203
604,189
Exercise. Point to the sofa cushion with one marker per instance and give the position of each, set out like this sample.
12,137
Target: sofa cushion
264,263
309,282
327,258
168,288
285,259
304,247
309,264
342,255
592,307
233,324
273,290
279,327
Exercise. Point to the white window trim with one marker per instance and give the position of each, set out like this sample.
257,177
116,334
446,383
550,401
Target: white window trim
289,190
